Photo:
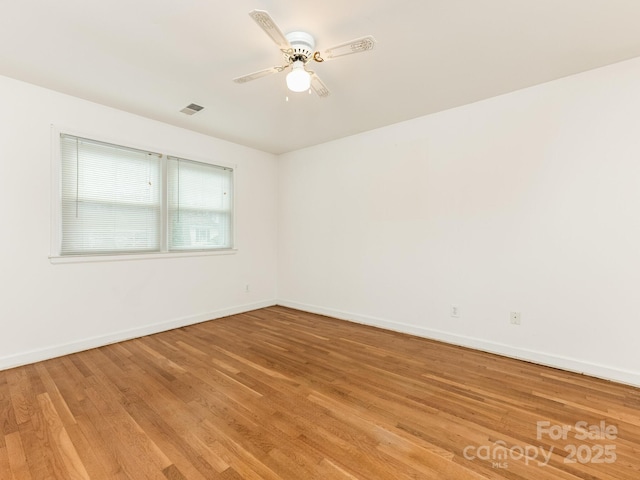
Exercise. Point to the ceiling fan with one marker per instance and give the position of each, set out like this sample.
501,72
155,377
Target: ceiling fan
298,50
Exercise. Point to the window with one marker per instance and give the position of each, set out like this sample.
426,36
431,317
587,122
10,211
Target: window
114,200
199,205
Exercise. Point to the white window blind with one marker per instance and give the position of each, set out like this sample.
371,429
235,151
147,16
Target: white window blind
199,203
111,198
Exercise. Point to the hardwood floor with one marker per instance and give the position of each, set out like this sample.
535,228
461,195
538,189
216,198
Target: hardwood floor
280,394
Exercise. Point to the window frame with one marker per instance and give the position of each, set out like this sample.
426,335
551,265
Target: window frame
55,255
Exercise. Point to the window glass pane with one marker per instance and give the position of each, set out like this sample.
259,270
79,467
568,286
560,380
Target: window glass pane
200,206
110,198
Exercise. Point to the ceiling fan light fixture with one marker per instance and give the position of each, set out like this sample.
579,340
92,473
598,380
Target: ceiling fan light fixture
298,79
298,48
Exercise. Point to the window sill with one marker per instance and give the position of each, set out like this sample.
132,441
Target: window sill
137,256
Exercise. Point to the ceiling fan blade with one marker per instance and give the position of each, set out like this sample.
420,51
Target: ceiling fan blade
357,45
264,21
318,86
260,74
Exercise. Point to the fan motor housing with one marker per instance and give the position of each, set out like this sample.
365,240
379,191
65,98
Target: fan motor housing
302,44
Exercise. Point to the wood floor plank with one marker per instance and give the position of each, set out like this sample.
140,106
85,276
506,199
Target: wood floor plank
8,421
279,394
58,440
102,456
22,397
17,457
5,468
41,458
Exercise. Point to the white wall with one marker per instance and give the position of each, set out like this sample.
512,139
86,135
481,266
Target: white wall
47,309
527,202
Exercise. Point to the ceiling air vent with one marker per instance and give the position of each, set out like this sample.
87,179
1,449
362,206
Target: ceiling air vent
191,109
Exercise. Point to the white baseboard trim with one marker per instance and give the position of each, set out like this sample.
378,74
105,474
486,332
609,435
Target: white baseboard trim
605,372
38,355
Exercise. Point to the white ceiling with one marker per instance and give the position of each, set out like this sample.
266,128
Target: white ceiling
154,57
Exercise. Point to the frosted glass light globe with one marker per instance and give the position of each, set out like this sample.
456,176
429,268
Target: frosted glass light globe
298,79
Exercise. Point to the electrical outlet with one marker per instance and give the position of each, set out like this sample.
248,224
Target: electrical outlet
455,311
515,317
